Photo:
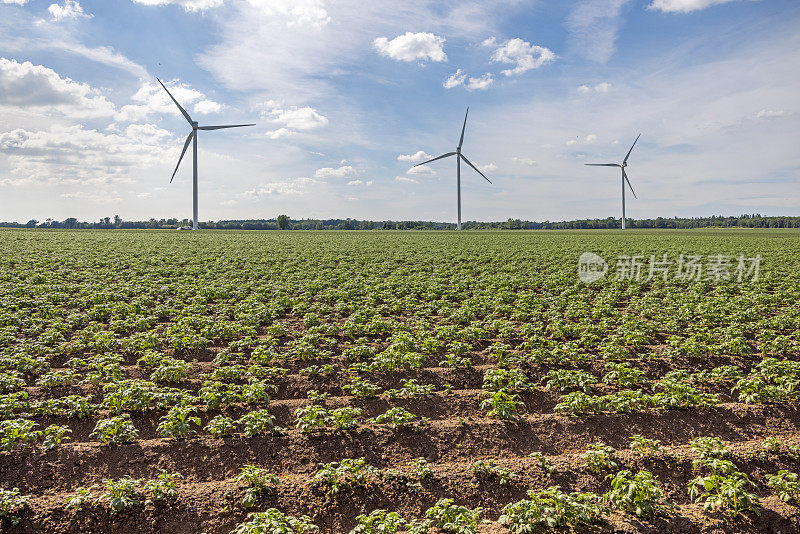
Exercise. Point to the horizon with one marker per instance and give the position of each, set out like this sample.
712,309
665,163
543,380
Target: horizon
348,98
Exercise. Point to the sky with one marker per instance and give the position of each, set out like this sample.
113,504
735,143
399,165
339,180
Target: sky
349,95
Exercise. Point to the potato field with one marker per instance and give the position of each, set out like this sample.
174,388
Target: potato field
381,382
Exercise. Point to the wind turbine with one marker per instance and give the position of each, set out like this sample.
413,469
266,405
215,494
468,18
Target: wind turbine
459,156
624,176
193,137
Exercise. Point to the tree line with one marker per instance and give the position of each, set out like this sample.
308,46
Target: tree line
284,222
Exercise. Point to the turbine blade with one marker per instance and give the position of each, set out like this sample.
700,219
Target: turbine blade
603,164
434,159
625,175
631,150
185,146
461,141
221,127
474,167
188,118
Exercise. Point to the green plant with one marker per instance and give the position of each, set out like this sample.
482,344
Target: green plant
12,503
397,417
120,493
273,521
345,418
501,404
645,447
410,388
162,487
785,484
507,379
543,462
489,470
600,457
78,497
220,426
728,493
707,449
773,444
345,474
361,388
638,493
115,430
551,508
178,421
421,468
256,422
170,370
16,433
622,375
259,482
311,418
566,379
454,519
54,435
379,522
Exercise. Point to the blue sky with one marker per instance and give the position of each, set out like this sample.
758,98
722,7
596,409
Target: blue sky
349,95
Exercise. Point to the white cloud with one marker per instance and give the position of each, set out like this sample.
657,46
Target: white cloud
279,133
417,156
359,183
524,161
411,47
292,119
70,10
101,54
522,54
30,86
588,140
344,171
771,113
602,87
684,6
18,2
482,83
422,169
75,155
146,132
188,5
296,12
405,180
490,167
455,79
154,100
298,186
593,27
206,106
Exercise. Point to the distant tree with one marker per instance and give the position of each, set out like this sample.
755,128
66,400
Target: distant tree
32,223
70,222
283,222
117,221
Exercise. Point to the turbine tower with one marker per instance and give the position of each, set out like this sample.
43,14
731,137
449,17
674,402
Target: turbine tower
193,138
624,176
459,156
